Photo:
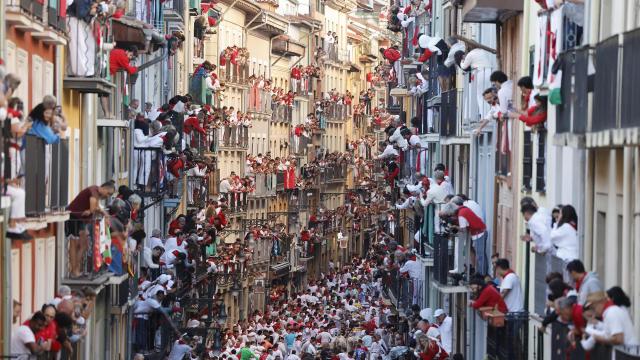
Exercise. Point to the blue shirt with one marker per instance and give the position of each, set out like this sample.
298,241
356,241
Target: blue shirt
43,131
290,338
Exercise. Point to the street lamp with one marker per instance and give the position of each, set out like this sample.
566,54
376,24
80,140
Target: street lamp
222,315
235,289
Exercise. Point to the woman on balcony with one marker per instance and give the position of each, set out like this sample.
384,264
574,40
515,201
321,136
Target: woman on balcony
42,117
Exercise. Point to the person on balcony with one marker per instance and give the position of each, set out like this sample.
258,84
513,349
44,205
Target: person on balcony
535,115
413,269
510,286
564,235
485,295
23,339
584,282
392,55
505,103
538,222
42,118
467,219
82,209
618,326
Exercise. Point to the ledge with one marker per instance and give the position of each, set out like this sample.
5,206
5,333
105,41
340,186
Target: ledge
93,85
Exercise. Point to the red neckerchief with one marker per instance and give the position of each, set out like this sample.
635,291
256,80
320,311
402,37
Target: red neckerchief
507,273
607,304
579,282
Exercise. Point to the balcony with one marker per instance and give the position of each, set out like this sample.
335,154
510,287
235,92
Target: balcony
509,341
490,11
85,263
448,113
46,178
615,106
337,112
280,180
571,115
173,10
264,185
287,47
149,173
344,6
334,173
560,345
444,250
281,113
232,138
272,23
82,75
25,15
197,191
367,56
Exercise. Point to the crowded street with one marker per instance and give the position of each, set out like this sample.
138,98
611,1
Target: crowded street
319,179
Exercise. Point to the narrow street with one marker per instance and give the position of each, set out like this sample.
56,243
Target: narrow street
319,179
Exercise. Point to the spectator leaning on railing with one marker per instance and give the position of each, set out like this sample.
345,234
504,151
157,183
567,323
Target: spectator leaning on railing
82,208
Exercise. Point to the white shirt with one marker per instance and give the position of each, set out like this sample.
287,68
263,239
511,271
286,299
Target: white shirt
325,337
19,340
475,207
407,203
505,96
459,46
565,240
478,59
514,299
293,357
414,141
617,321
154,241
413,268
388,152
225,186
446,333
540,230
178,351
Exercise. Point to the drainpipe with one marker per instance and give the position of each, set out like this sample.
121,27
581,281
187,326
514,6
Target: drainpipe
626,215
636,235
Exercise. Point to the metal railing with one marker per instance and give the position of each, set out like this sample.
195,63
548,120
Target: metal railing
198,143
234,73
280,176
299,144
86,59
85,241
334,172
46,175
449,113
571,115
149,171
281,112
197,191
509,342
264,185
238,201
233,136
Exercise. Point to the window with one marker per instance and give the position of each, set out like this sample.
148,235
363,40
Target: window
527,161
540,161
320,6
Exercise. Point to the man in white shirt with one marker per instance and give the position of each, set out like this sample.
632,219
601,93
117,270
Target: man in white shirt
505,90
539,224
445,325
617,321
510,287
388,152
23,339
155,239
180,348
293,356
224,188
414,269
